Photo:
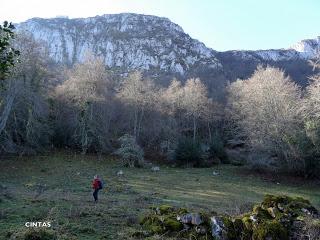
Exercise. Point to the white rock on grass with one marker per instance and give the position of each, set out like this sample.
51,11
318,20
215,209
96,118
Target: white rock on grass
215,173
155,169
120,173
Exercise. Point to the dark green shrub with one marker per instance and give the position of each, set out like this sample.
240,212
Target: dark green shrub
188,152
310,156
216,149
312,165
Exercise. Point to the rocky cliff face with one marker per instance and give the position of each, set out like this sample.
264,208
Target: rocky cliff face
158,46
126,41
308,48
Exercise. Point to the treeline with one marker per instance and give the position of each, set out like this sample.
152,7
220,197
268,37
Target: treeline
92,108
87,108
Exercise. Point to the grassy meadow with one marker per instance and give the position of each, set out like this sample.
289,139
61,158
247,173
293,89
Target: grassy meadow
58,188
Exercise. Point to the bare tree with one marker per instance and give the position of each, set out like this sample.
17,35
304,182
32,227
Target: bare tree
311,107
172,97
140,94
195,102
87,89
266,108
7,99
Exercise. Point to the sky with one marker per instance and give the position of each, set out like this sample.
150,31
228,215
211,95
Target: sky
220,24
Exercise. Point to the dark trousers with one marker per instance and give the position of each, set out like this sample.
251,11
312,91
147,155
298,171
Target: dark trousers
95,194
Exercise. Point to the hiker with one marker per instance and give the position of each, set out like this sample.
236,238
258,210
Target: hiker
96,185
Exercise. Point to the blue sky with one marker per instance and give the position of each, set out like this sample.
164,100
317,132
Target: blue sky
220,24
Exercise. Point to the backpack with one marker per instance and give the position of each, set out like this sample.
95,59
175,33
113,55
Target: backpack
100,184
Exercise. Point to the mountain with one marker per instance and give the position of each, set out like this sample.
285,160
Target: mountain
127,41
308,48
294,60
303,50
160,48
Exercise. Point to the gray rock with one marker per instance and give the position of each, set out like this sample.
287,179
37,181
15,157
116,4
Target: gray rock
215,173
155,169
201,230
217,228
120,173
190,218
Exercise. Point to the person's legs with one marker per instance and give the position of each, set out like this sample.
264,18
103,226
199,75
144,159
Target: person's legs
95,195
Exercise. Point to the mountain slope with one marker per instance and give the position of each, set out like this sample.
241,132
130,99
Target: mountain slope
294,60
161,49
303,50
127,41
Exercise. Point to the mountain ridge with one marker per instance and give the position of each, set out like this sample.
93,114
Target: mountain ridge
124,40
130,41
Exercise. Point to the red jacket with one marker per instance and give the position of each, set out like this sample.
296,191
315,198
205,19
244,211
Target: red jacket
96,184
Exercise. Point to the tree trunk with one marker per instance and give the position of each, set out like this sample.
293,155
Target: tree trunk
135,124
209,131
6,111
194,129
139,122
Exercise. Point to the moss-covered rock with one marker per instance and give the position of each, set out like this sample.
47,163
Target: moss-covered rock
238,224
275,218
285,204
229,228
272,230
153,224
247,222
261,214
34,234
153,228
172,224
165,209
273,201
274,212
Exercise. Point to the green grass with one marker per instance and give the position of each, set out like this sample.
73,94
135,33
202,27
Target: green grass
66,196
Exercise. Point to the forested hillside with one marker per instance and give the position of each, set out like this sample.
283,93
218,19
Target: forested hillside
65,91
